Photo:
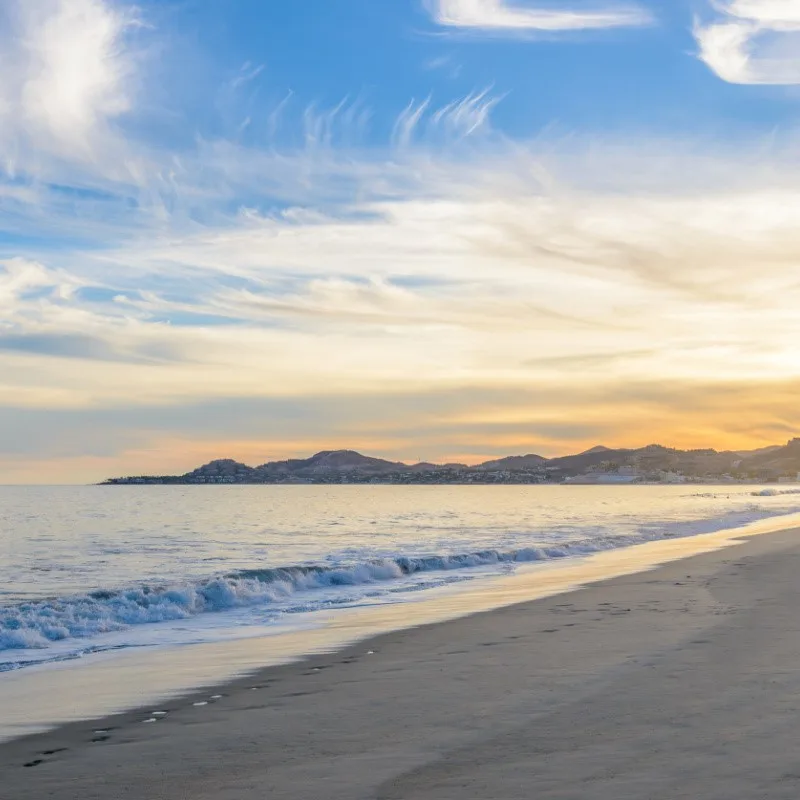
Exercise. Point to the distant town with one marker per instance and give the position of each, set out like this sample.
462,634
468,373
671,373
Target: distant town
599,465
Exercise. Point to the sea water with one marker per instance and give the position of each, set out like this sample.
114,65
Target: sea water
87,570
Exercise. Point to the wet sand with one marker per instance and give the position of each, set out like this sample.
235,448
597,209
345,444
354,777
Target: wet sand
680,682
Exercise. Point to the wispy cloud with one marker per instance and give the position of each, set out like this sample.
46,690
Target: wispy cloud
506,16
446,64
453,121
67,76
512,281
323,259
247,72
753,42
408,121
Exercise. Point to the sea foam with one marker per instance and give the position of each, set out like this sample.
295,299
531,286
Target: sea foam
38,623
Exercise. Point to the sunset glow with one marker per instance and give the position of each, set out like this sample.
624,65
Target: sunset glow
488,228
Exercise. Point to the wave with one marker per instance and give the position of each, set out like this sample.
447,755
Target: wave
768,492
38,624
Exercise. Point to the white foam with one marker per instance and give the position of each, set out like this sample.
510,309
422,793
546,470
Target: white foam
58,628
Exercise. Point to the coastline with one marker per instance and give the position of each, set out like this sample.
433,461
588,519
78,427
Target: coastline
404,702
41,697
598,465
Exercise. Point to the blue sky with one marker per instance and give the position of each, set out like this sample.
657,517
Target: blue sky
384,54
448,228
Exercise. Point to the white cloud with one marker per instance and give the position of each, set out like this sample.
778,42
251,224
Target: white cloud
19,276
448,262
498,272
504,16
408,121
67,75
433,276
756,42
456,120
765,12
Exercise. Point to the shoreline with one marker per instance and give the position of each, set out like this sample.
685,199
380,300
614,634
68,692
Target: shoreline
113,682
720,483
244,713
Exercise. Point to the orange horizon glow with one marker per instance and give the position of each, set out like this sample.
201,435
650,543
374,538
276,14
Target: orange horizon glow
176,456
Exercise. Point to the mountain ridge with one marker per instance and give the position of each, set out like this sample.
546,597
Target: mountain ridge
652,462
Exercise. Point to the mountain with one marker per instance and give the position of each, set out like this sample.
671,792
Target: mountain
221,468
327,462
774,462
512,463
600,448
344,459
759,452
653,462
590,458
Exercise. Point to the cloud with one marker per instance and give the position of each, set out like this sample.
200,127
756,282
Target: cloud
471,423
89,348
455,120
486,294
446,65
247,73
504,16
443,276
67,75
756,43
778,13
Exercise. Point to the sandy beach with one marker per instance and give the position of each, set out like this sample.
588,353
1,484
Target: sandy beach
679,682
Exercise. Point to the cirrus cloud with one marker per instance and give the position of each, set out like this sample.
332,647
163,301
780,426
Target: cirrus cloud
502,16
482,293
754,42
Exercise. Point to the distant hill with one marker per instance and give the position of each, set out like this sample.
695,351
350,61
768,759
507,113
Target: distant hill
324,462
600,448
590,458
759,452
646,463
777,461
223,467
514,462
334,460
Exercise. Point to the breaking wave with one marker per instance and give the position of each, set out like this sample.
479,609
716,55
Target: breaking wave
37,624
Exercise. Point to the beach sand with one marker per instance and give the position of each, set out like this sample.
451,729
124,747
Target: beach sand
679,682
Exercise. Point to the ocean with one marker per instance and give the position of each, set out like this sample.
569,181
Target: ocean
89,572
85,568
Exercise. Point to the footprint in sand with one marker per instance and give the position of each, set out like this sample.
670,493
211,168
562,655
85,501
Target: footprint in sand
321,667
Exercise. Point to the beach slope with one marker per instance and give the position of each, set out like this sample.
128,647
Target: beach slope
680,682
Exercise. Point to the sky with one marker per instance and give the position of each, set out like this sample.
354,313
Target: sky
424,229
